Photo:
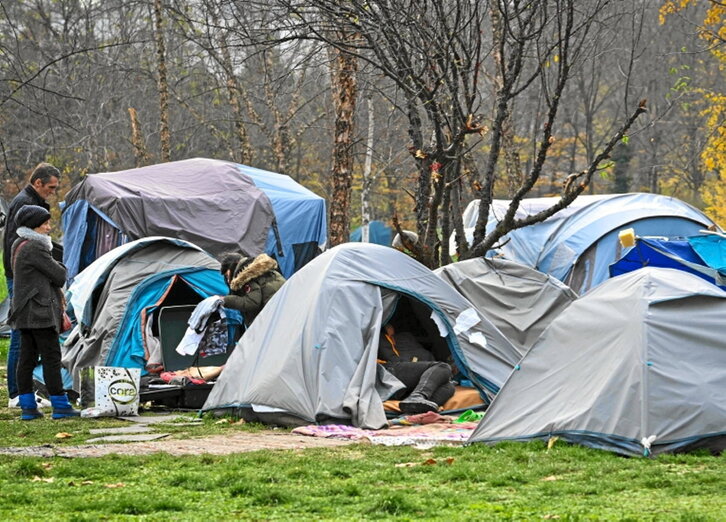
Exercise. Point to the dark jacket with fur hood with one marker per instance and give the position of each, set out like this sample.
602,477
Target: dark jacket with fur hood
38,279
253,284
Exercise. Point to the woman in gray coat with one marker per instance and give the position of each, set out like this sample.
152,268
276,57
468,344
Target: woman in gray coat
37,311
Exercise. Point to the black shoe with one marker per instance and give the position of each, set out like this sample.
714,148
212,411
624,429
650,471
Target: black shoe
417,403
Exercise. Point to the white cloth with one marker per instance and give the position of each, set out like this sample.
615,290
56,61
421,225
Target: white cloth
189,344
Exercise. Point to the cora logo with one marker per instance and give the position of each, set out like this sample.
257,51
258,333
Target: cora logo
122,391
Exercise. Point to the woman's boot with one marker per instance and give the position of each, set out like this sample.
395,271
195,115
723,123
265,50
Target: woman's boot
28,407
62,408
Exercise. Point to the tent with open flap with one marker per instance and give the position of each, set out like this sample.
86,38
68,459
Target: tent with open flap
115,297
311,353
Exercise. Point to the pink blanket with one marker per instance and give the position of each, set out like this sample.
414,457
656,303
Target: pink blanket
425,435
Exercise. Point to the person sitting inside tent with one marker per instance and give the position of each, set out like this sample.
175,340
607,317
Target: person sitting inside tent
252,282
428,382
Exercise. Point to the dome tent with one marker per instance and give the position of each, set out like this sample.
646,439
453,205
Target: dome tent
635,366
114,297
322,364
578,243
217,205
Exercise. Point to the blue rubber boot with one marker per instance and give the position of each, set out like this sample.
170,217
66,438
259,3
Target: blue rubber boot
28,407
62,408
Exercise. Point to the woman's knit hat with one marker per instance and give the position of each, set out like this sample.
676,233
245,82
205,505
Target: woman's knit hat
31,216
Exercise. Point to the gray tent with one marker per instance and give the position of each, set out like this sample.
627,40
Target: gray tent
115,296
519,300
311,353
635,366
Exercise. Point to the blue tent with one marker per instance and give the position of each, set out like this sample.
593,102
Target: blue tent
378,233
704,256
217,205
116,296
578,244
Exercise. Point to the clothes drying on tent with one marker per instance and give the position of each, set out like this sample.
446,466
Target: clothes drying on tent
577,244
322,364
519,300
703,255
218,205
118,295
636,366
378,233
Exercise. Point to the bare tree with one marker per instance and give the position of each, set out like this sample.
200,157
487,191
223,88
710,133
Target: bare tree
164,131
343,67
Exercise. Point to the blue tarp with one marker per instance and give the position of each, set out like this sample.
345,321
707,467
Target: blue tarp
378,233
299,212
679,253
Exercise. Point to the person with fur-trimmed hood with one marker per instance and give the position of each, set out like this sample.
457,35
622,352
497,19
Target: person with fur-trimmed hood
252,283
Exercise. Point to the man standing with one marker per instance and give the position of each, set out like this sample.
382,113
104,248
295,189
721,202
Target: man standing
43,184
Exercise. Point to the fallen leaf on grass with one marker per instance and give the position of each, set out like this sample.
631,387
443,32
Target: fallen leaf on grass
552,442
550,517
46,465
427,462
116,485
84,483
63,435
241,421
223,421
551,478
43,479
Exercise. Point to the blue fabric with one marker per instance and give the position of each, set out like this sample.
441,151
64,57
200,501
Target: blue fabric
13,353
74,224
300,215
661,252
127,348
66,377
712,249
378,233
79,223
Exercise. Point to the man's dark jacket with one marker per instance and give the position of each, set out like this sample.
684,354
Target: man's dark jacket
27,196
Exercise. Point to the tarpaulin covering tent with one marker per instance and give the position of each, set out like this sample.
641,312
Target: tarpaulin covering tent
378,233
519,300
577,244
217,205
311,353
114,297
703,255
635,366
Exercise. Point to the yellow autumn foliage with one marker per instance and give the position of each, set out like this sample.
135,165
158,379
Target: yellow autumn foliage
713,155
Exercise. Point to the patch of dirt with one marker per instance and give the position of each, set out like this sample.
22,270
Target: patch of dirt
238,442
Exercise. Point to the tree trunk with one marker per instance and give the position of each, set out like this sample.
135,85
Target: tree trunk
137,140
365,194
344,68
164,133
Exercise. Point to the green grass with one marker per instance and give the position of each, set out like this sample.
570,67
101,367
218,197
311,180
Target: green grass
510,481
3,285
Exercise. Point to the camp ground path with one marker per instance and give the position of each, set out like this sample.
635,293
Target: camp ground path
237,442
